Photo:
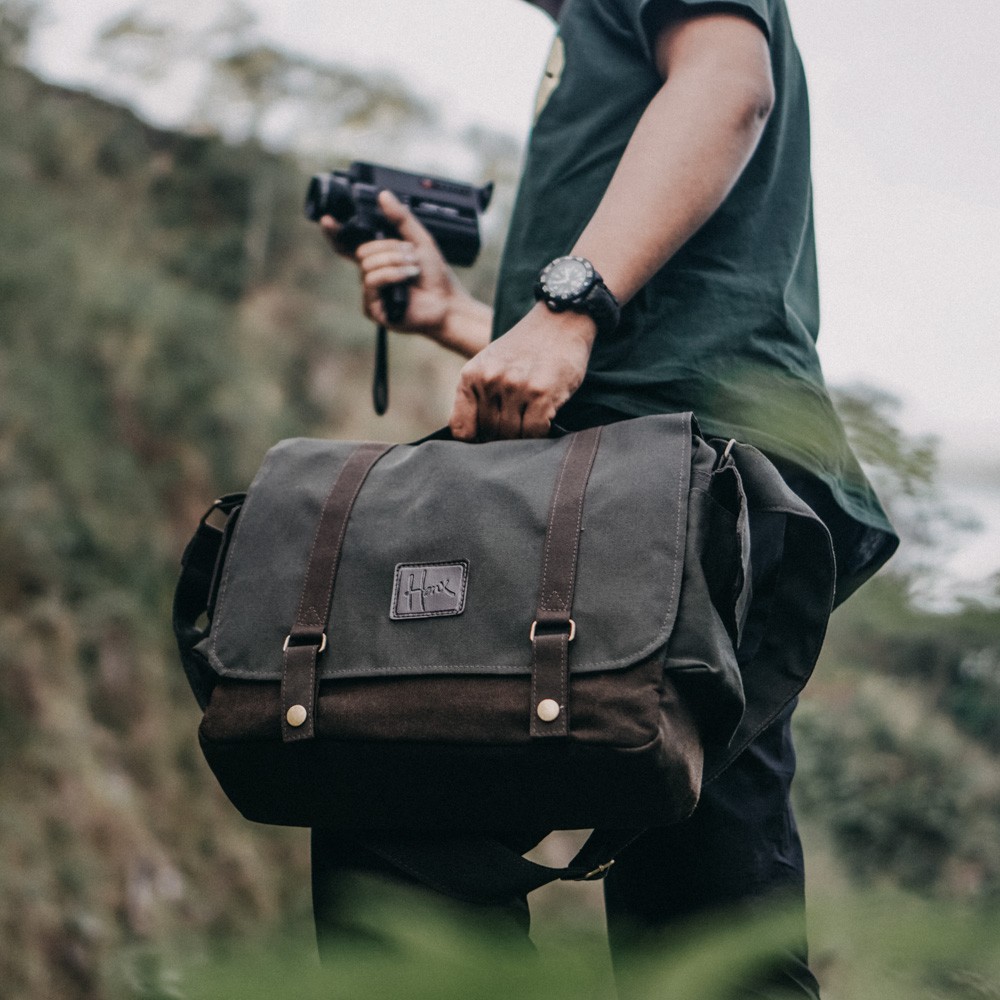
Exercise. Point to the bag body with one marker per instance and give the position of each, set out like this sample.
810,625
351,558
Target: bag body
445,636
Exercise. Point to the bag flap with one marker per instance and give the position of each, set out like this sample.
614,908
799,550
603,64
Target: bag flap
443,553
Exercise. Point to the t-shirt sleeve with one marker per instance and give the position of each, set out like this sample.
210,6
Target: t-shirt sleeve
650,16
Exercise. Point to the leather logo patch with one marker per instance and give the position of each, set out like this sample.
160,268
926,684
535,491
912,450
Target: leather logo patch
429,590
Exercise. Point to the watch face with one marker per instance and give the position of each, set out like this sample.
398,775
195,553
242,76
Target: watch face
567,278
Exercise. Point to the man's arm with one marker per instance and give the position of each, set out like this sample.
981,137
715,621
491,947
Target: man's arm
684,157
687,151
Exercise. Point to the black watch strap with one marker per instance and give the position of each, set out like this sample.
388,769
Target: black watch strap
602,307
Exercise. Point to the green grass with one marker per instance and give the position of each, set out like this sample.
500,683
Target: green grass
867,946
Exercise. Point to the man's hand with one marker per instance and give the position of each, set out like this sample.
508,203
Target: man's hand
414,260
438,306
514,386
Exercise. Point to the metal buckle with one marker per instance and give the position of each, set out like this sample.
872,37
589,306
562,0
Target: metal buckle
225,505
572,630
322,644
599,872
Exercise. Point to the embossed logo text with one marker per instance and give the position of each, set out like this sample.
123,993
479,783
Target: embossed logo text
429,590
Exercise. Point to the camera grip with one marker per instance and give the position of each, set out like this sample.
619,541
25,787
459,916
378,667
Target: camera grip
395,298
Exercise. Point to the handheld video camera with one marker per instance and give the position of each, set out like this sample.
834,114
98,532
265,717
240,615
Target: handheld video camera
449,210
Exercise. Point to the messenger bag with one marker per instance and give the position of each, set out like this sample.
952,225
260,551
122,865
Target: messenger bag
463,638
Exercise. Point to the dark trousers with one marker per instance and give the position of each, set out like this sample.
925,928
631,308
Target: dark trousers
739,850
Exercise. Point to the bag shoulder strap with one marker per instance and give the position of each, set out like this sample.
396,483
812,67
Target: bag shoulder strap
194,595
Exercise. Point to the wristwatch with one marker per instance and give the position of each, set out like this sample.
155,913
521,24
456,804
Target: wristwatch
572,283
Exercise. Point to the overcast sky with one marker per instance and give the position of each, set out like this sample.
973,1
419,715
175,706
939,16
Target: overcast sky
906,138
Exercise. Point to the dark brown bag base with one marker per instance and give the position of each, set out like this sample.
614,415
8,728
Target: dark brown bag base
378,740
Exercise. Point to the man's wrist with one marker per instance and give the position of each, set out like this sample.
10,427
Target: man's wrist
466,326
568,324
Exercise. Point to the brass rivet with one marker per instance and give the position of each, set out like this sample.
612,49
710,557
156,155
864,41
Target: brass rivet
548,710
296,715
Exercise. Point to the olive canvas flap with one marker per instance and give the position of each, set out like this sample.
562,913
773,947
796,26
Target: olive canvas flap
443,555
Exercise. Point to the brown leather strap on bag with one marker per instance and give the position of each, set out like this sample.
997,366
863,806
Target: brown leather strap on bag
308,636
553,628
551,632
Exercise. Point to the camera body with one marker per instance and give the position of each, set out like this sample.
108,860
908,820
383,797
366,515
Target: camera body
448,209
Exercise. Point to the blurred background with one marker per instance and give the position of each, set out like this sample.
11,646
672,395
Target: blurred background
166,313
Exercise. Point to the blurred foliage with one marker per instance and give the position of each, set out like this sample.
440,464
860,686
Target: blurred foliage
255,90
141,374
899,731
160,327
952,657
904,471
17,17
889,945
905,799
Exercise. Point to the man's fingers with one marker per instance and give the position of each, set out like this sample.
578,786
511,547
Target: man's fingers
501,405
392,275
404,220
331,230
536,422
509,409
374,308
393,264
477,412
488,418
464,424
374,250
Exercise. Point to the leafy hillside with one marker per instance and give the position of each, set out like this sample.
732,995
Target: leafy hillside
141,374
151,349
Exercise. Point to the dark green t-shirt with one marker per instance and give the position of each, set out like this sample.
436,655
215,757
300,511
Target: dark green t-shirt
727,328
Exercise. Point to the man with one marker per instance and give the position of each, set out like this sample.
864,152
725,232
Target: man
671,152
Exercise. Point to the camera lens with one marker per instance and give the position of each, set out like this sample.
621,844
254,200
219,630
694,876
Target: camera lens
329,194
316,197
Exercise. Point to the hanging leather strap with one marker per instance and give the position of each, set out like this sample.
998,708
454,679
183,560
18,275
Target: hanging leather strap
308,636
553,628
479,869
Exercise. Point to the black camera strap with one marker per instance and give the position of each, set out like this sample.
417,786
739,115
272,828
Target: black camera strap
380,380
395,300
